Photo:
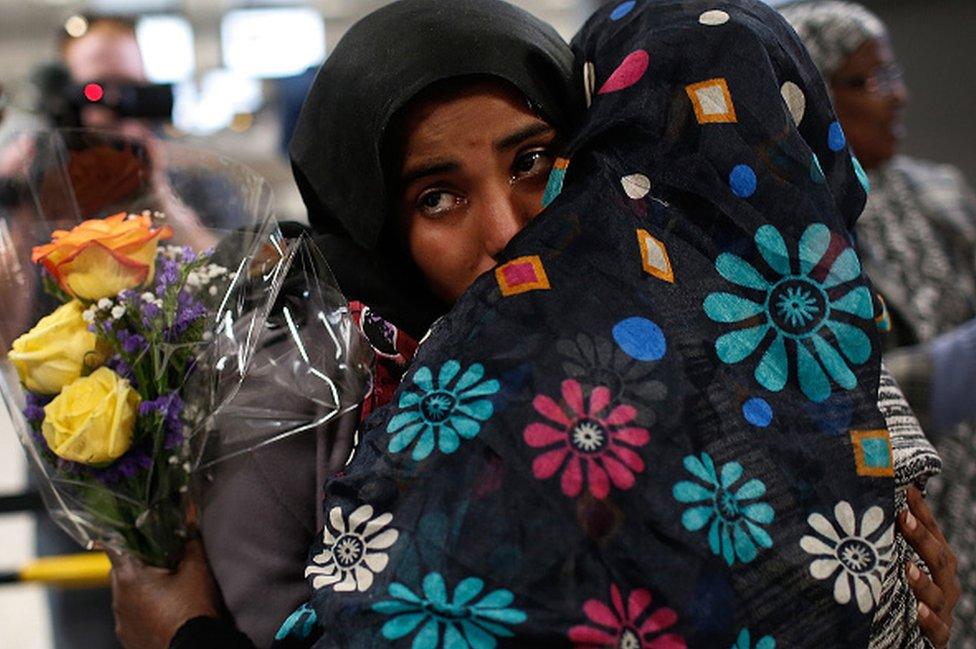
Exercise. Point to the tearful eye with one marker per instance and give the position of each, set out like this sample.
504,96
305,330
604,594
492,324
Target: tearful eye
435,202
532,163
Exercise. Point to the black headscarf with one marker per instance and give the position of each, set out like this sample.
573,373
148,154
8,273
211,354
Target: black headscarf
656,423
382,63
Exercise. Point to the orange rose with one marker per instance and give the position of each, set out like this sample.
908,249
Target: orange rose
101,257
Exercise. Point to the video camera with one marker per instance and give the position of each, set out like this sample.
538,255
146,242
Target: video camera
62,99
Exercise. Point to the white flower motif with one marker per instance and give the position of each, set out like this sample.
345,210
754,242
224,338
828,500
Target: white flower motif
89,315
351,556
148,297
859,558
105,304
118,312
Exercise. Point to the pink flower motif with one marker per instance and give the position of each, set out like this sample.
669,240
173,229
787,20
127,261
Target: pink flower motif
618,627
583,436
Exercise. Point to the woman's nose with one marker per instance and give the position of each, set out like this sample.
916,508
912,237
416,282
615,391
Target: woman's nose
899,94
503,217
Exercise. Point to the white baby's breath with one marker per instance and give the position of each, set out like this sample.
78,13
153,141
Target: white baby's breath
118,312
105,304
170,252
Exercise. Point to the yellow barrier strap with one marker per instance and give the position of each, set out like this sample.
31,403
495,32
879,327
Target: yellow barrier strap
87,569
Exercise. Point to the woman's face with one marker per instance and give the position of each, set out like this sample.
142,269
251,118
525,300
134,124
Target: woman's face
870,98
474,163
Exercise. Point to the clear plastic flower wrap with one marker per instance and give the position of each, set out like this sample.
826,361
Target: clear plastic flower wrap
145,287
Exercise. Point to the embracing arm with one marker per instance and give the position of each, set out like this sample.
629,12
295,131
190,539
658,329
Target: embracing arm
937,589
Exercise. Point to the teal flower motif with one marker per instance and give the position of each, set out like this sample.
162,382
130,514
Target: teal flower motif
735,531
458,623
811,308
444,412
744,641
299,624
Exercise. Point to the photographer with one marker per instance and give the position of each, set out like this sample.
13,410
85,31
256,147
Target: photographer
106,54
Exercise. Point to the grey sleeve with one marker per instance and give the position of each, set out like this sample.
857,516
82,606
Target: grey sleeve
257,516
259,511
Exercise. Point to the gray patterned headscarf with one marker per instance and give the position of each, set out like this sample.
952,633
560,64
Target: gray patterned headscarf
832,30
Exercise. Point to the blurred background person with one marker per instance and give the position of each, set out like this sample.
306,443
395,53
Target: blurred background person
918,241
107,53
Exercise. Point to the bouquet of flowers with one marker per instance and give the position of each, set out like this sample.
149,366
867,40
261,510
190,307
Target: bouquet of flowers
119,389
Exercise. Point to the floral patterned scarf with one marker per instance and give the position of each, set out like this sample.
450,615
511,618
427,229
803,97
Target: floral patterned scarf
655,424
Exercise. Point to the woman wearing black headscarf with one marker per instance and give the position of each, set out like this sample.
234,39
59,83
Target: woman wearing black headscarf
339,166
690,196
702,245
377,68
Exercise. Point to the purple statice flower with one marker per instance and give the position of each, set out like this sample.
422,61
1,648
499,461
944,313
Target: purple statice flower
170,407
174,409
136,460
131,342
167,274
149,313
174,423
120,367
188,311
174,439
128,295
187,255
34,408
147,408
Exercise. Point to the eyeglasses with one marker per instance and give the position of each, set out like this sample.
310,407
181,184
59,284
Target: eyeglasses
883,80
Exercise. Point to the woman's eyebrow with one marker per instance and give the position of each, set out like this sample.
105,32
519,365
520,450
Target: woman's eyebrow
431,168
523,134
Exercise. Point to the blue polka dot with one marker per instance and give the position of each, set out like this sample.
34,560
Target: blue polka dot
640,338
816,171
862,176
835,137
758,412
743,181
622,9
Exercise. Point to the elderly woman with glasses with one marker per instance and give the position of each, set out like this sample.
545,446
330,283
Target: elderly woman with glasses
918,241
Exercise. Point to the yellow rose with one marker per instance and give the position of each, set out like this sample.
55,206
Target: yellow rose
92,420
102,257
56,350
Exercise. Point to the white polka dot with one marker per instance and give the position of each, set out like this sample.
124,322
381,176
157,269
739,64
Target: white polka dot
636,185
589,81
714,17
795,100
